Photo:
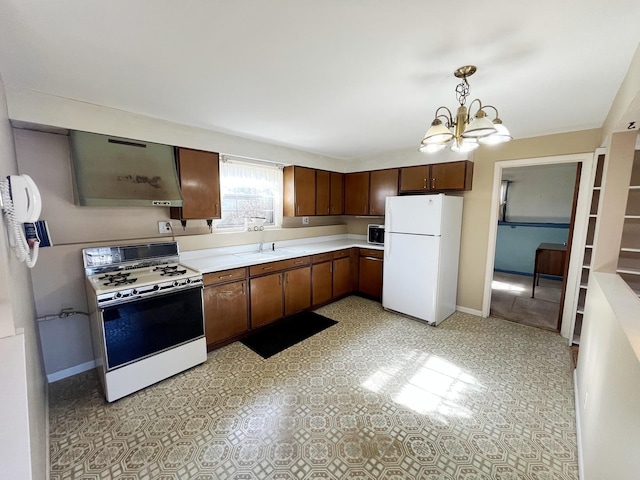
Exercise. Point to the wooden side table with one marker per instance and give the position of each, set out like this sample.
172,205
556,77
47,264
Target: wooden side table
550,259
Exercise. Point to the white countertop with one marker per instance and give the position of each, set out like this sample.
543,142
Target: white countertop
217,259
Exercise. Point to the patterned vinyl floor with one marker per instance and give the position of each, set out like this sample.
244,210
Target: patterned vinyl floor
376,396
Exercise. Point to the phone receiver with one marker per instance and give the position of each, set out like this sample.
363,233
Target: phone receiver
25,195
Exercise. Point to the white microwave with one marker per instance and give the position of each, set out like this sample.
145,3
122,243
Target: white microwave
375,234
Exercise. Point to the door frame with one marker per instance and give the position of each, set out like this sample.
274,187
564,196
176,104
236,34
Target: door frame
579,230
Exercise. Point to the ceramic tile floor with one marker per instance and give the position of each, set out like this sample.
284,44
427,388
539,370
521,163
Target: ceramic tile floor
376,396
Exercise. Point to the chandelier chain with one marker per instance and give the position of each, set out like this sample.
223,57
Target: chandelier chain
462,91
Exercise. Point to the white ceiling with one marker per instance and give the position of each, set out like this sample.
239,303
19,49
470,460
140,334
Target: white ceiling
344,78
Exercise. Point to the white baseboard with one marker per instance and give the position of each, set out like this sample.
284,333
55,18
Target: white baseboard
578,435
69,372
471,311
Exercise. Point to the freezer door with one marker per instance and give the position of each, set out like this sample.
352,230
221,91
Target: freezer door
410,275
419,214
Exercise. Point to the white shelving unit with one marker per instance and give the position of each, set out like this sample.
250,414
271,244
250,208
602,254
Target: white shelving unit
594,212
629,258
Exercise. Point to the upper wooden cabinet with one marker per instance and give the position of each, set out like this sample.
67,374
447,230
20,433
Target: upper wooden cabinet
337,193
365,192
451,176
199,174
383,184
415,179
299,196
323,192
318,192
356,193
438,177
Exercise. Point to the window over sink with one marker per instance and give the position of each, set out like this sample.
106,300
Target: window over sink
247,190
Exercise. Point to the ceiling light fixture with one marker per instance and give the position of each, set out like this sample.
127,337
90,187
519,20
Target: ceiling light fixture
464,132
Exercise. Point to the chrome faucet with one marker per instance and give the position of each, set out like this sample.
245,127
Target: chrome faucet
261,247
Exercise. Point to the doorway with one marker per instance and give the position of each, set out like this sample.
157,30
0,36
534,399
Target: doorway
570,285
535,215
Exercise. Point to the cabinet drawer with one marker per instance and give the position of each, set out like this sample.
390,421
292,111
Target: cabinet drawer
224,276
278,266
342,253
322,257
370,252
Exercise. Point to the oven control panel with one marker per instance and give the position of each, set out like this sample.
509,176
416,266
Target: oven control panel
135,293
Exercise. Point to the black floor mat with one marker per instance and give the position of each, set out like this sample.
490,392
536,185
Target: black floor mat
282,335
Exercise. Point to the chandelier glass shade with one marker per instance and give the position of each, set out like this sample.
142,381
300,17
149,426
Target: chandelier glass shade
465,131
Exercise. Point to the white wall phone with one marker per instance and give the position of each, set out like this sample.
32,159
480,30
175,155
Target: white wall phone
21,203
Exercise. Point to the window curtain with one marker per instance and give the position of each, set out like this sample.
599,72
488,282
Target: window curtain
260,180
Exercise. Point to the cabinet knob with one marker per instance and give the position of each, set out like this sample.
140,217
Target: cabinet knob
433,183
424,184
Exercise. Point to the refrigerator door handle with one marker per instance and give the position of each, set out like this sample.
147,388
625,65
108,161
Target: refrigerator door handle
387,246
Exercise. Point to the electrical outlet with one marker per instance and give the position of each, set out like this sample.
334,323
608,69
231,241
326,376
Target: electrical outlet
164,227
586,397
305,220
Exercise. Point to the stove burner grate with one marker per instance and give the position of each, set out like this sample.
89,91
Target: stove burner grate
169,271
114,276
116,282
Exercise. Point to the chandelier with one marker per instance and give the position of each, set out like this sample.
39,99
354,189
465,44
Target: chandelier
464,132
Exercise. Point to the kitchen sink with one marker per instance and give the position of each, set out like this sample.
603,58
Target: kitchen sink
257,255
268,254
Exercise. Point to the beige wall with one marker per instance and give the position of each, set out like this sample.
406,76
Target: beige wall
17,312
626,104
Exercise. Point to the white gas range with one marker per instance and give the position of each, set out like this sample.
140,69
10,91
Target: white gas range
139,281
146,313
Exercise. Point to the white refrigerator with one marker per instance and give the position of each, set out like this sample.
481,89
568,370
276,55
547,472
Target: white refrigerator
421,250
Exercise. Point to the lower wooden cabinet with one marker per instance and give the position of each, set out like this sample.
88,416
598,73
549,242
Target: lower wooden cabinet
267,303
297,290
278,289
279,294
341,276
321,282
370,278
225,311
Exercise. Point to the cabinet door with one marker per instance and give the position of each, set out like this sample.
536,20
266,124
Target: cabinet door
356,193
341,276
321,282
299,191
415,179
370,280
451,176
305,186
322,192
297,290
384,183
337,193
225,311
199,183
266,299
